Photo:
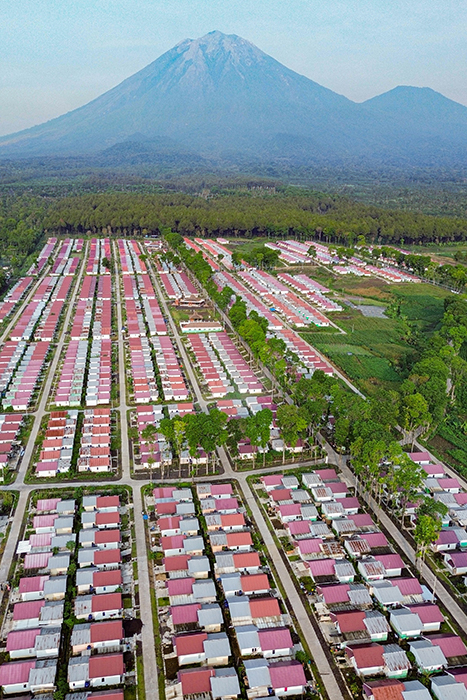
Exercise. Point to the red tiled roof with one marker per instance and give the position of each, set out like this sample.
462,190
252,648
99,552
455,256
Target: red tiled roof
236,539
177,563
244,560
31,584
351,621
375,539
408,586
232,519
107,501
197,681
166,508
338,593
175,542
21,639
387,689
190,643
16,672
107,518
169,523
278,638
322,567
107,601
310,546
427,612
183,614
107,536
326,474
280,494
107,578
106,631
287,674
29,610
180,586
264,607
390,561
221,489
366,655
107,556
254,582
105,665
450,644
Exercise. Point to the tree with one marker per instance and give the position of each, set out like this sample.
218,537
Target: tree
414,414
428,525
407,481
291,424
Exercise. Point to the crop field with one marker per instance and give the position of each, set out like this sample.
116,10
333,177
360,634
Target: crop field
372,349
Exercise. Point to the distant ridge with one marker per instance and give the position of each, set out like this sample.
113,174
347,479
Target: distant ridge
220,95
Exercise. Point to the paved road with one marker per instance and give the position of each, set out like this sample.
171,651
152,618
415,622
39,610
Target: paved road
147,632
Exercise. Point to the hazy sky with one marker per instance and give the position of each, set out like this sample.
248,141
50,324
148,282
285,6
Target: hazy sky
56,55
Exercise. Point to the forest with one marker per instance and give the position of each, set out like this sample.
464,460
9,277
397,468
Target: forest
289,212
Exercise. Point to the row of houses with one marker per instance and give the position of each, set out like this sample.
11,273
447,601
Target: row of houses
252,623
370,607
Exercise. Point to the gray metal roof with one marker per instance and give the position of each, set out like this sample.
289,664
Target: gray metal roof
375,622
225,683
204,589
44,673
81,634
210,614
427,654
257,672
230,582
78,669
55,584
67,506
49,638
405,621
85,576
185,508
217,644
189,525
224,560
198,564
61,541
308,511
395,658
247,637
446,688
52,611
414,690
386,593
239,607
193,544
59,561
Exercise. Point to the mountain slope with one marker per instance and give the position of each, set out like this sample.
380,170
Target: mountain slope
221,95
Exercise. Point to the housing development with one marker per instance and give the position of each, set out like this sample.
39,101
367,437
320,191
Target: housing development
185,511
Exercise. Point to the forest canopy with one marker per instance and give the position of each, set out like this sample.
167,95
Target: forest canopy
279,214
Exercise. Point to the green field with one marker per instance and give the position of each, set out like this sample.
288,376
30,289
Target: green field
372,349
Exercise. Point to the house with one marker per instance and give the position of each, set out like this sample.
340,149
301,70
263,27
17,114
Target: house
103,539
41,643
189,590
252,584
98,607
95,671
32,587
99,636
234,541
370,625
37,613
430,616
428,657
393,689
104,559
446,541
446,688
366,659
284,677
219,682
336,594
456,563
245,562
420,457
93,580
272,481
36,676
271,643
101,503
207,617
405,623
201,647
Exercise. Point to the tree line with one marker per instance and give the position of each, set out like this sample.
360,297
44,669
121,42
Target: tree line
282,213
